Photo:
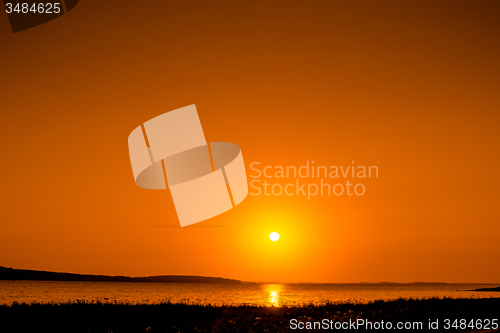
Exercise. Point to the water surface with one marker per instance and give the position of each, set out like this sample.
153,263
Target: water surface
218,294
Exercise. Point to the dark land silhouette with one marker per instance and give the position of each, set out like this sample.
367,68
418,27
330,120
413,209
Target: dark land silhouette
27,274
487,289
85,316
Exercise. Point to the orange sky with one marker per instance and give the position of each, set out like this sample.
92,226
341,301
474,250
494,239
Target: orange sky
411,87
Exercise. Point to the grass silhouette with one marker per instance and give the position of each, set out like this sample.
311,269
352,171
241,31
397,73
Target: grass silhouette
117,317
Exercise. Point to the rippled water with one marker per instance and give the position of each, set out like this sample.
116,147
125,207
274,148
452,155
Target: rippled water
258,294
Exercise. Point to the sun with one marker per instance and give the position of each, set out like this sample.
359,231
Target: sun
274,236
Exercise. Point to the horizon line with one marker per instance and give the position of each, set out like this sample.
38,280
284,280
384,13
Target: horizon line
223,278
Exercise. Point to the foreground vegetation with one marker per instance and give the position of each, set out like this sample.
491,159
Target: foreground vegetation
96,316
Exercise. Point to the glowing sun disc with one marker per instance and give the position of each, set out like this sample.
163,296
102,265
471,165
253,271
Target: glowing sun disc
274,236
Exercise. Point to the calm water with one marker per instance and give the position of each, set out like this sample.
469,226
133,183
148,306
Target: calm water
259,294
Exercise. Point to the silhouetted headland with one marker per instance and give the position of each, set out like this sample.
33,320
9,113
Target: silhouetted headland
27,274
487,289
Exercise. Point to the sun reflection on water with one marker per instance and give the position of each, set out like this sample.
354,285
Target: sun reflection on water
274,297
274,292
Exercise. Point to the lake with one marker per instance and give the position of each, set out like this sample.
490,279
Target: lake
230,294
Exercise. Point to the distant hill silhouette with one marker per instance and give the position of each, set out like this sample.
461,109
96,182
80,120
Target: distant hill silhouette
487,289
26,274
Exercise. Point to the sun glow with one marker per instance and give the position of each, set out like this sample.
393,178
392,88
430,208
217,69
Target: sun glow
274,292
274,236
